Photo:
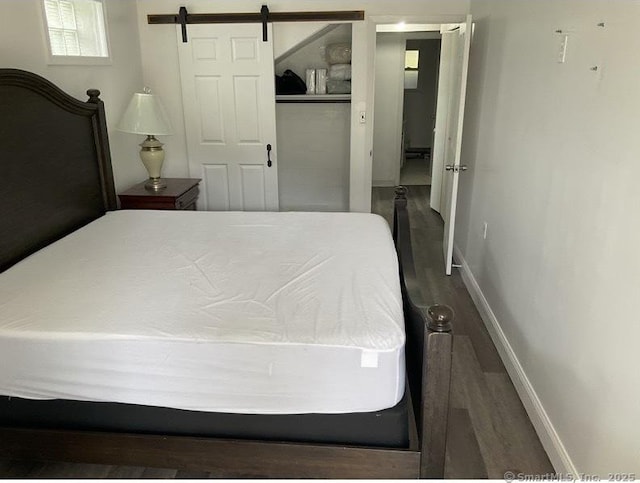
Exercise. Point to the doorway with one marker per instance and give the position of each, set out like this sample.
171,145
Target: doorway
406,87
422,57
314,128
400,149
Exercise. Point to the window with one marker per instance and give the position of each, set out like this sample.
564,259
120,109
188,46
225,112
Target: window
411,63
411,59
76,29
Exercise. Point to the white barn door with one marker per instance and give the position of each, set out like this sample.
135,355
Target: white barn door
453,143
228,92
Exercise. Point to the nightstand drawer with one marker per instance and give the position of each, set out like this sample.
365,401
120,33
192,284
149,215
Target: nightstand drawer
188,200
180,194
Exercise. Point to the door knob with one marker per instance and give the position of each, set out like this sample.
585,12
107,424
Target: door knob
268,155
456,169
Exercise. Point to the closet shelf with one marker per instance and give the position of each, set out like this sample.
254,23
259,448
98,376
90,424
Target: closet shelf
304,98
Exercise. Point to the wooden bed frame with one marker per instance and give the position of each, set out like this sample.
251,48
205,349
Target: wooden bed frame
56,171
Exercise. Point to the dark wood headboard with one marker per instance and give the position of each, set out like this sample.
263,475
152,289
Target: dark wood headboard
55,164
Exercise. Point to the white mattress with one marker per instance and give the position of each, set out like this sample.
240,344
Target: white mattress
268,313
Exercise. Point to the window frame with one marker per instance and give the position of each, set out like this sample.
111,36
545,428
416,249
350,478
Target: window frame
75,59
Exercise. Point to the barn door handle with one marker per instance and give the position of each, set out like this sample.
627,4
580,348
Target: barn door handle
268,155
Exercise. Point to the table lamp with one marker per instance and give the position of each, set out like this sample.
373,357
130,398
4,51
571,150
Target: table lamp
145,115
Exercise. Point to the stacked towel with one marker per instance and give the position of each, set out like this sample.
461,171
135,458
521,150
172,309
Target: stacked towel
340,72
339,60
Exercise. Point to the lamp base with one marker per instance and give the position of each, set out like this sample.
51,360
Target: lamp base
155,184
152,156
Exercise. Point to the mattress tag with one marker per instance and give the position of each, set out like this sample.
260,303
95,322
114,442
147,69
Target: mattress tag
369,359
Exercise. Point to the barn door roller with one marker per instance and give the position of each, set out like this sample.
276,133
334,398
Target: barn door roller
264,17
264,13
182,15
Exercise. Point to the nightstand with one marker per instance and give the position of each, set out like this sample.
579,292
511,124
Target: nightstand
180,194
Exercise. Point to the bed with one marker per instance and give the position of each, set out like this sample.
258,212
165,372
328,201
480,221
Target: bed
314,363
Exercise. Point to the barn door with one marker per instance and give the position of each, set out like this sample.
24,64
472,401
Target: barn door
461,43
228,93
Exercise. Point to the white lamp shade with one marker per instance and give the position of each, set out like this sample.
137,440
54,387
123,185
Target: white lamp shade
145,115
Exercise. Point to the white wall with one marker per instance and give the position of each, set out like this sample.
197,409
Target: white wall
23,46
310,55
287,37
553,151
420,103
313,155
389,90
161,68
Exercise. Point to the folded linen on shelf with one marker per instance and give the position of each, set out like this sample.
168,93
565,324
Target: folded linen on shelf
338,86
340,72
338,53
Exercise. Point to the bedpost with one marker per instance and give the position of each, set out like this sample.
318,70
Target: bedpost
399,203
99,122
427,351
436,374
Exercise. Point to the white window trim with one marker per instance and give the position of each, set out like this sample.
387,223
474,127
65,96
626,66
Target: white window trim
74,59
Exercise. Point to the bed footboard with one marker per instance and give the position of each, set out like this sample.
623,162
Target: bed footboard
428,350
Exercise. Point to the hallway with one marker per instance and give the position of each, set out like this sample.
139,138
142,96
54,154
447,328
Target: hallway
416,171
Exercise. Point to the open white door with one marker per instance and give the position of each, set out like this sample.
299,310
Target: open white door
228,91
460,62
441,129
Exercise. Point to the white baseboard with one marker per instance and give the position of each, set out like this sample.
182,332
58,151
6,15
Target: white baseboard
552,443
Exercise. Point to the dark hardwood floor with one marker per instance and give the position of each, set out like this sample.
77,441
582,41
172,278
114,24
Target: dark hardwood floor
489,431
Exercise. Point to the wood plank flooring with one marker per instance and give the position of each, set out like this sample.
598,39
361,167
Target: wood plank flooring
489,431
415,171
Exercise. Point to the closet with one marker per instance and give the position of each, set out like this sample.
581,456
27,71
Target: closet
313,130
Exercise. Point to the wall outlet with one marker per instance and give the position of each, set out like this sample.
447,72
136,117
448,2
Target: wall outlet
485,225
